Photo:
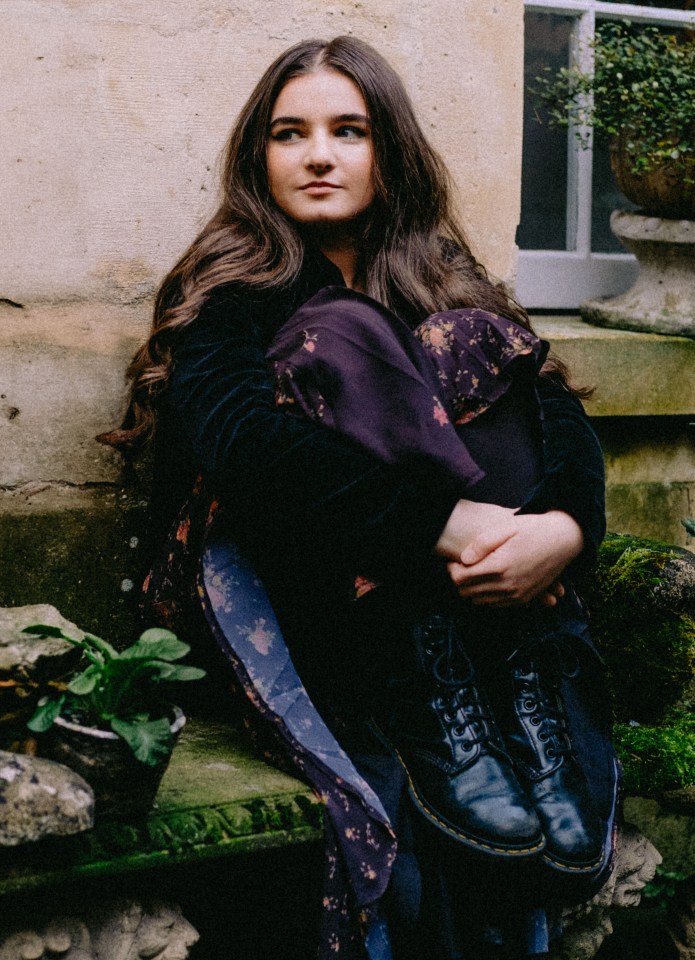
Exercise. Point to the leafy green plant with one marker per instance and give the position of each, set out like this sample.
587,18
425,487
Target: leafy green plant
121,692
662,888
642,88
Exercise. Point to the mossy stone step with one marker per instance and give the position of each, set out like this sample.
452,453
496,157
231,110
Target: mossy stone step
216,800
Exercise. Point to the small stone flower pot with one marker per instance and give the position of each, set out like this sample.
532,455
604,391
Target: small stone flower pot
124,788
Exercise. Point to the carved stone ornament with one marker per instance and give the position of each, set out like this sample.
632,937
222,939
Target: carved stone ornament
680,919
116,930
586,926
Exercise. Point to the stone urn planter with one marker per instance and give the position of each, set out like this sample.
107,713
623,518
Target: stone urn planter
661,235
665,189
662,299
124,788
637,95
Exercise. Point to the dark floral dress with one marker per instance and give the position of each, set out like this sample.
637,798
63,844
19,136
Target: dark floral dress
401,396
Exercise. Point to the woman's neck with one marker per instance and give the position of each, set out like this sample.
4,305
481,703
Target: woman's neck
345,259
340,247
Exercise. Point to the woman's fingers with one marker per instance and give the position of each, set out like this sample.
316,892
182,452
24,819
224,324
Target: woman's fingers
523,566
475,523
488,541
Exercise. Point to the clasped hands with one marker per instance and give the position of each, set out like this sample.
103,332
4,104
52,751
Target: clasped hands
497,557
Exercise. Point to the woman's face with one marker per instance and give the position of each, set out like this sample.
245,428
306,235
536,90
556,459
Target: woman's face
320,156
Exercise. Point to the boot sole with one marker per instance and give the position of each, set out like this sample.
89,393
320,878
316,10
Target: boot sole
570,868
438,821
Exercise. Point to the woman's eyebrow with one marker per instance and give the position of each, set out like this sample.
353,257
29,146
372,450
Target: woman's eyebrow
280,120
351,118
341,118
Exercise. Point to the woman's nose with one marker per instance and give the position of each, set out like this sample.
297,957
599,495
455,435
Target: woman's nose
319,154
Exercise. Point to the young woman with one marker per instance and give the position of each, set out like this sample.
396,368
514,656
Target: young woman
330,183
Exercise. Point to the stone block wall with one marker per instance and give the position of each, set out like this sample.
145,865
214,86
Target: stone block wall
643,409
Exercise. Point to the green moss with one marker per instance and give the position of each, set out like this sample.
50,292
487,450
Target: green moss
657,758
647,642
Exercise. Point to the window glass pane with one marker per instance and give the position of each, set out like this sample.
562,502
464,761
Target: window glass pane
543,223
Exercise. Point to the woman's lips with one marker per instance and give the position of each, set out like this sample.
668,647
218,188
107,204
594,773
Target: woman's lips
319,186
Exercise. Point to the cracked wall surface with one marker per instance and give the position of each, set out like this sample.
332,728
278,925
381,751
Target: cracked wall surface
114,114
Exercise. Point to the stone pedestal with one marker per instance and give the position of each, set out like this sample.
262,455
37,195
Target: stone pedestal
113,930
587,925
662,299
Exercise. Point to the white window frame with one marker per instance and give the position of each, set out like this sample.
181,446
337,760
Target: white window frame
562,279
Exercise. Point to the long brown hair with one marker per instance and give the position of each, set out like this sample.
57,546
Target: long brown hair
414,255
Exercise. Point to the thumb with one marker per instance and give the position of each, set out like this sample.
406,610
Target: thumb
485,543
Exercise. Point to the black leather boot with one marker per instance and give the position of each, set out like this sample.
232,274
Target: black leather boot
440,727
539,743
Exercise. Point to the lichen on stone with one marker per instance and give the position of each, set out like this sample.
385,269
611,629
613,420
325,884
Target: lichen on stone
642,603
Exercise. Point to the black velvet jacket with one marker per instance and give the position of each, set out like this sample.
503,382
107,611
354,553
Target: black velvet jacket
303,500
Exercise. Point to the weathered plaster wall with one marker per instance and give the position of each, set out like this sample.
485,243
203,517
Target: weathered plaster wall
114,113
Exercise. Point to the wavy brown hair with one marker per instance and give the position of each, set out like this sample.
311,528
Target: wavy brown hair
414,257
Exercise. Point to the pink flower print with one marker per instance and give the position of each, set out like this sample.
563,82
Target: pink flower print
437,338
362,586
261,638
370,838
309,341
218,593
440,414
351,833
183,529
368,871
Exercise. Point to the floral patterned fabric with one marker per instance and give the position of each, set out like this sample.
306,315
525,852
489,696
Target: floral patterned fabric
345,360
401,396
202,583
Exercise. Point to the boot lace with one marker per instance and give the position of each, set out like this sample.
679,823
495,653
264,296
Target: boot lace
458,699
540,671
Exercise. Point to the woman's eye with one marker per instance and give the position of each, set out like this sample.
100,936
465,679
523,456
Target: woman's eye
349,132
288,135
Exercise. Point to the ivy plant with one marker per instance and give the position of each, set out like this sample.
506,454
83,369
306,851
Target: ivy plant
642,88
121,691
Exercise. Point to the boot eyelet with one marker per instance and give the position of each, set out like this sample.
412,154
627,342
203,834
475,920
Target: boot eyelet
550,753
467,746
448,717
458,730
529,704
543,737
535,720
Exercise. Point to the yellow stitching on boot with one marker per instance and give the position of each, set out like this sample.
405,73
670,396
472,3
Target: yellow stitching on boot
445,826
562,866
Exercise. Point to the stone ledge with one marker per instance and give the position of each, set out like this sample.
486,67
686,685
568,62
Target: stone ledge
62,371
216,800
62,368
635,374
